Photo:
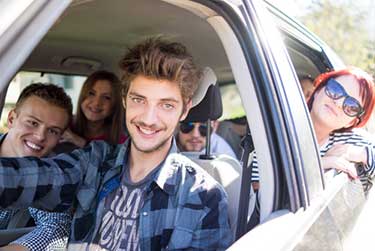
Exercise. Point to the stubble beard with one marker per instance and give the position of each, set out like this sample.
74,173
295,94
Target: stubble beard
155,148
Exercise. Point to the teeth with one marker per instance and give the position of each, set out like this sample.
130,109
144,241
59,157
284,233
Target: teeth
146,131
95,111
33,146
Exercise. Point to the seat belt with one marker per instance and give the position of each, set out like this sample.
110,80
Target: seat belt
243,208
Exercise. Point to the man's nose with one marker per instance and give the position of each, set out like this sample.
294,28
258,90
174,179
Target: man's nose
41,133
196,132
150,115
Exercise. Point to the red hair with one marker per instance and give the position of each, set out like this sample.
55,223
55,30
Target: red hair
366,85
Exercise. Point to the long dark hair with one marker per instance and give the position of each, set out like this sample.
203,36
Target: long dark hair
114,122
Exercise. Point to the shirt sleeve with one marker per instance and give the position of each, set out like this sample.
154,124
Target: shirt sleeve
47,183
254,168
5,216
215,232
51,231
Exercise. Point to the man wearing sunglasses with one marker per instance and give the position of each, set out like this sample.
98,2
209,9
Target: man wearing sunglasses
141,195
192,137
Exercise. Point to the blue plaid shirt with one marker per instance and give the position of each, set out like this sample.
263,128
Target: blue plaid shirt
184,207
51,231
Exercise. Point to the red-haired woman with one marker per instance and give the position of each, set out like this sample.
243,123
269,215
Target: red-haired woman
344,100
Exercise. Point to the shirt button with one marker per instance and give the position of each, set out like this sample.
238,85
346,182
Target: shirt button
144,213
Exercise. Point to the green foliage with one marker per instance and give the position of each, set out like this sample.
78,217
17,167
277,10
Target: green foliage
341,25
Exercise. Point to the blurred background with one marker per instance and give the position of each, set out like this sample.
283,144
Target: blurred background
347,26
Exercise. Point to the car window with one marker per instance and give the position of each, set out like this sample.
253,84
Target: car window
71,83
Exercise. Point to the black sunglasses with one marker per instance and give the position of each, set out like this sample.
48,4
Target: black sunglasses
188,127
351,106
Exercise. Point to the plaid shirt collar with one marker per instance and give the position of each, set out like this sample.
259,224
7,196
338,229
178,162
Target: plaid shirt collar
166,177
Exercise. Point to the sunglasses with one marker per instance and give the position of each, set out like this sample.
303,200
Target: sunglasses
351,106
188,127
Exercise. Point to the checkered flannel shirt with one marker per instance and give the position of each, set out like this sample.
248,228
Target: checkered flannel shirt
185,208
51,231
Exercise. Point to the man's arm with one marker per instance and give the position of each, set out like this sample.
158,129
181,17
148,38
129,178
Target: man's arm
51,232
47,183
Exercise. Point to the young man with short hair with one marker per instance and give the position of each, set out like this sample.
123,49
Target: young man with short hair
41,115
192,137
142,195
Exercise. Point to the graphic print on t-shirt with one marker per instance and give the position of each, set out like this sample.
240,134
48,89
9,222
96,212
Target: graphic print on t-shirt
119,228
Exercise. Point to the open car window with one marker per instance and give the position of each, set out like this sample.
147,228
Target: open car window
71,83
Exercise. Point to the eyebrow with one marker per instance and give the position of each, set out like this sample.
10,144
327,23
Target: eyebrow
37,119
171,99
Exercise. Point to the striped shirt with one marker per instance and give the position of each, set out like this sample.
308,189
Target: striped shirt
366,171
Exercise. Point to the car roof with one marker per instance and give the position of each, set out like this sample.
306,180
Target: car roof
94,35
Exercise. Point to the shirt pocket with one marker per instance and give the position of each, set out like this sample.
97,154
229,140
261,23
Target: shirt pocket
181,238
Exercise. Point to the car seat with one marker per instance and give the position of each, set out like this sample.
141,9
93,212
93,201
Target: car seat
223,168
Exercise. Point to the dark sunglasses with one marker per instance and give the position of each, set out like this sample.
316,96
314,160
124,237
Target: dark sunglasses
351,106
188,127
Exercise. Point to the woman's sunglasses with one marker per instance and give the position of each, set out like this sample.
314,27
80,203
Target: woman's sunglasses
188,127
351,106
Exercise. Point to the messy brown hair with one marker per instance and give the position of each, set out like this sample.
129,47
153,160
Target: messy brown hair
51,93
162,60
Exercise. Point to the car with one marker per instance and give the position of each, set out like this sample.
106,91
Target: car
255,50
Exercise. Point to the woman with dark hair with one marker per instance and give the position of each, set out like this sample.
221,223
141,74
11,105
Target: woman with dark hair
342,101
99,112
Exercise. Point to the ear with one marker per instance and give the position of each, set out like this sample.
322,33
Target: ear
188,106
353,123
12,115
124,102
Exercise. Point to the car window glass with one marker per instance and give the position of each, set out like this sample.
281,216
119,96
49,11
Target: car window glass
71,83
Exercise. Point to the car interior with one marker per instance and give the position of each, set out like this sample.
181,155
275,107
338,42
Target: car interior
93,35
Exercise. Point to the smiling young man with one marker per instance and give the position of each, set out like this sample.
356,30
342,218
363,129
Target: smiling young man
41,115
141,195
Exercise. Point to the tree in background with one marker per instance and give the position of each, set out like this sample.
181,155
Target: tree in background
341,25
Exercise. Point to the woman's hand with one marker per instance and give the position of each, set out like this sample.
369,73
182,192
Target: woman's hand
351,153
340,164
344,157
69,136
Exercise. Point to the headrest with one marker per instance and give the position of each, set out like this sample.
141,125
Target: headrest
208,78
210,106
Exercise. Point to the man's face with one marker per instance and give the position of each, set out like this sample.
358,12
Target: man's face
192,136
153,109
35,128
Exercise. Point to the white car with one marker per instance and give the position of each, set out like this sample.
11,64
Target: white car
251,46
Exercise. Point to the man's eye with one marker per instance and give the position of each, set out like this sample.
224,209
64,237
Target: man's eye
137,100
168,106
32,123
54,132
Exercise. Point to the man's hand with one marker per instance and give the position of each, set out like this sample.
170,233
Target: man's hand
14,247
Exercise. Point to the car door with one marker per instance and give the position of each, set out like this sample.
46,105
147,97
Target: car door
319,213
23,24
